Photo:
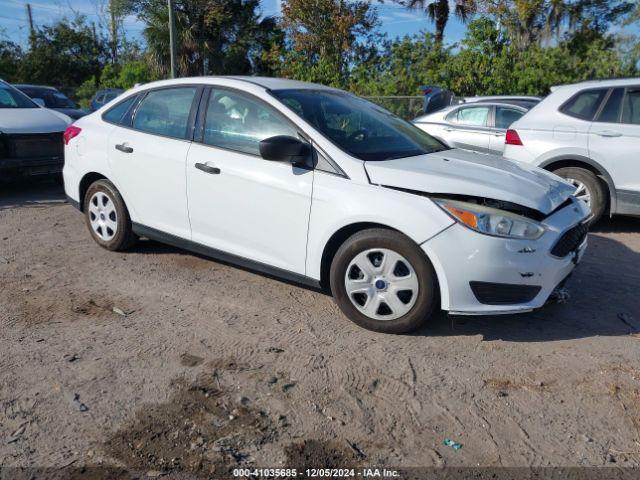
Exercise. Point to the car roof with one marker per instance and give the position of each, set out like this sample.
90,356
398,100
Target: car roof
502,98
604,82
42,87
268,83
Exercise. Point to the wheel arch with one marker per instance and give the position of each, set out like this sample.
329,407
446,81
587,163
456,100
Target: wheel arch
588,164
340,236
84,185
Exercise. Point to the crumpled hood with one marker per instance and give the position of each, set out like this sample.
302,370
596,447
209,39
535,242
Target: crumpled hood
31,120
462,172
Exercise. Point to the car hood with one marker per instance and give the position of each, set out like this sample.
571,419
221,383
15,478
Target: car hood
460,172
32,120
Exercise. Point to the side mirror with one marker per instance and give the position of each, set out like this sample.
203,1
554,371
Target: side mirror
39,102
285,148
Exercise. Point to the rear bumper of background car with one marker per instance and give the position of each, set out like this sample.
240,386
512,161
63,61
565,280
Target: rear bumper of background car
27,167
484,275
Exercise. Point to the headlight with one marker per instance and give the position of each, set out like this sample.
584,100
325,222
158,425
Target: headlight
491,221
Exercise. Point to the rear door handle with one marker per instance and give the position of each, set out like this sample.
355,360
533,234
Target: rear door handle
608,133
205,167
124,148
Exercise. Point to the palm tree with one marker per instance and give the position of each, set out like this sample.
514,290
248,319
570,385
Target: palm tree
438,11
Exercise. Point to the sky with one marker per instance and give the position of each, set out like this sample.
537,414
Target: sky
395,20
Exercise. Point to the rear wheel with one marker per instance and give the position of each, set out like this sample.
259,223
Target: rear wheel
107,216
589,188
383,281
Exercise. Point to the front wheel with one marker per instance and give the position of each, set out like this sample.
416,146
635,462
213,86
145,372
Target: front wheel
383,281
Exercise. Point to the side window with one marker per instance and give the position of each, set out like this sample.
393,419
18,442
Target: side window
239,122
611,111
117,114
505,116
473,116
584,105
165,112
631,107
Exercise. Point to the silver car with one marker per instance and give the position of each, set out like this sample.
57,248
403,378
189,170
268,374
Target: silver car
479,125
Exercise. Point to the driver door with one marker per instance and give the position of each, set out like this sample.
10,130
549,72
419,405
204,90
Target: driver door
240,203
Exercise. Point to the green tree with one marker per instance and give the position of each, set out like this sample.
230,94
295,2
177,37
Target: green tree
325,39
438,12
65,54
10,58
214,36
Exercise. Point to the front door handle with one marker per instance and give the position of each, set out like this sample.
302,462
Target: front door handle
608,133
208,168
124,148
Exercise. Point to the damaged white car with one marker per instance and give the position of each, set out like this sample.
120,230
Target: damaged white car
317,186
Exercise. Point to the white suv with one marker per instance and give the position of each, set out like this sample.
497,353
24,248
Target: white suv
588,133
323,188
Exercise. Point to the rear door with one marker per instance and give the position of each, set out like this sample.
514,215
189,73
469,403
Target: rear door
614,142
148,158
468,128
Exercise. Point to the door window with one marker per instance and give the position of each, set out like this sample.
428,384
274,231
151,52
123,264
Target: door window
584,105
505,116
236,121
610,113
117,114
165,112
472,116
631,107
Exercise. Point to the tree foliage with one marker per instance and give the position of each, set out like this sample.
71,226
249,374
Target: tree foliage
214,36
324,39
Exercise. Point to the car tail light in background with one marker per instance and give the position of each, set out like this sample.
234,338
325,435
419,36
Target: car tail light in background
512,138
71,132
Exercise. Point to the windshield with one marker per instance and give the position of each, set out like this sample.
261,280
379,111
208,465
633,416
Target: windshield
12,98
359,127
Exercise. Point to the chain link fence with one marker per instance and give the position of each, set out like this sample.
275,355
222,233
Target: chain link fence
407,107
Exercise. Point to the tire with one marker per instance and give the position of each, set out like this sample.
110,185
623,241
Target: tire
404,264
107,216
593,187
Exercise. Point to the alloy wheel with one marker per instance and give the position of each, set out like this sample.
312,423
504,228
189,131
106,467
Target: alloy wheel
103,216
381,284
582,192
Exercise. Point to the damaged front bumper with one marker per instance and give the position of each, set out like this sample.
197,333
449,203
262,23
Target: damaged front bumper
486,275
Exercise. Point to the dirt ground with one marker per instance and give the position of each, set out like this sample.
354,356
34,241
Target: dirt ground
158,361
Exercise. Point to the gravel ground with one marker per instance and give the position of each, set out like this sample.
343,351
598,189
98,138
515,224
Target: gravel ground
156,360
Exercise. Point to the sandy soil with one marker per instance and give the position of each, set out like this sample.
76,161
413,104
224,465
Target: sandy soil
156,360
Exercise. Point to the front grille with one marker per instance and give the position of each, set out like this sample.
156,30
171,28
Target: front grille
503,293
36,145
570,240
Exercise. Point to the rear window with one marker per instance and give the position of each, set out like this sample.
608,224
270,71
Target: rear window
584,105
631,107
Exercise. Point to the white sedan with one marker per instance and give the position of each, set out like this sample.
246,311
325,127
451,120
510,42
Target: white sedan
317,186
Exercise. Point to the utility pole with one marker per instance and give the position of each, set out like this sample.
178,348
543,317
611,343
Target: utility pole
172,39
32,30
114,33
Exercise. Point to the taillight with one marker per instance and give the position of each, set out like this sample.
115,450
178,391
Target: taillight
71,132
512,138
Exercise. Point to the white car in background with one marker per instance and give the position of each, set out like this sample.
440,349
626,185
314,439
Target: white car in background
589,134
30,136
480,125
320,187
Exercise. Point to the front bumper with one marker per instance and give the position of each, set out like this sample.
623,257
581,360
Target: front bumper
477,273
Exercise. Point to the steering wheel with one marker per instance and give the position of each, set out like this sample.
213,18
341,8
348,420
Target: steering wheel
359,135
